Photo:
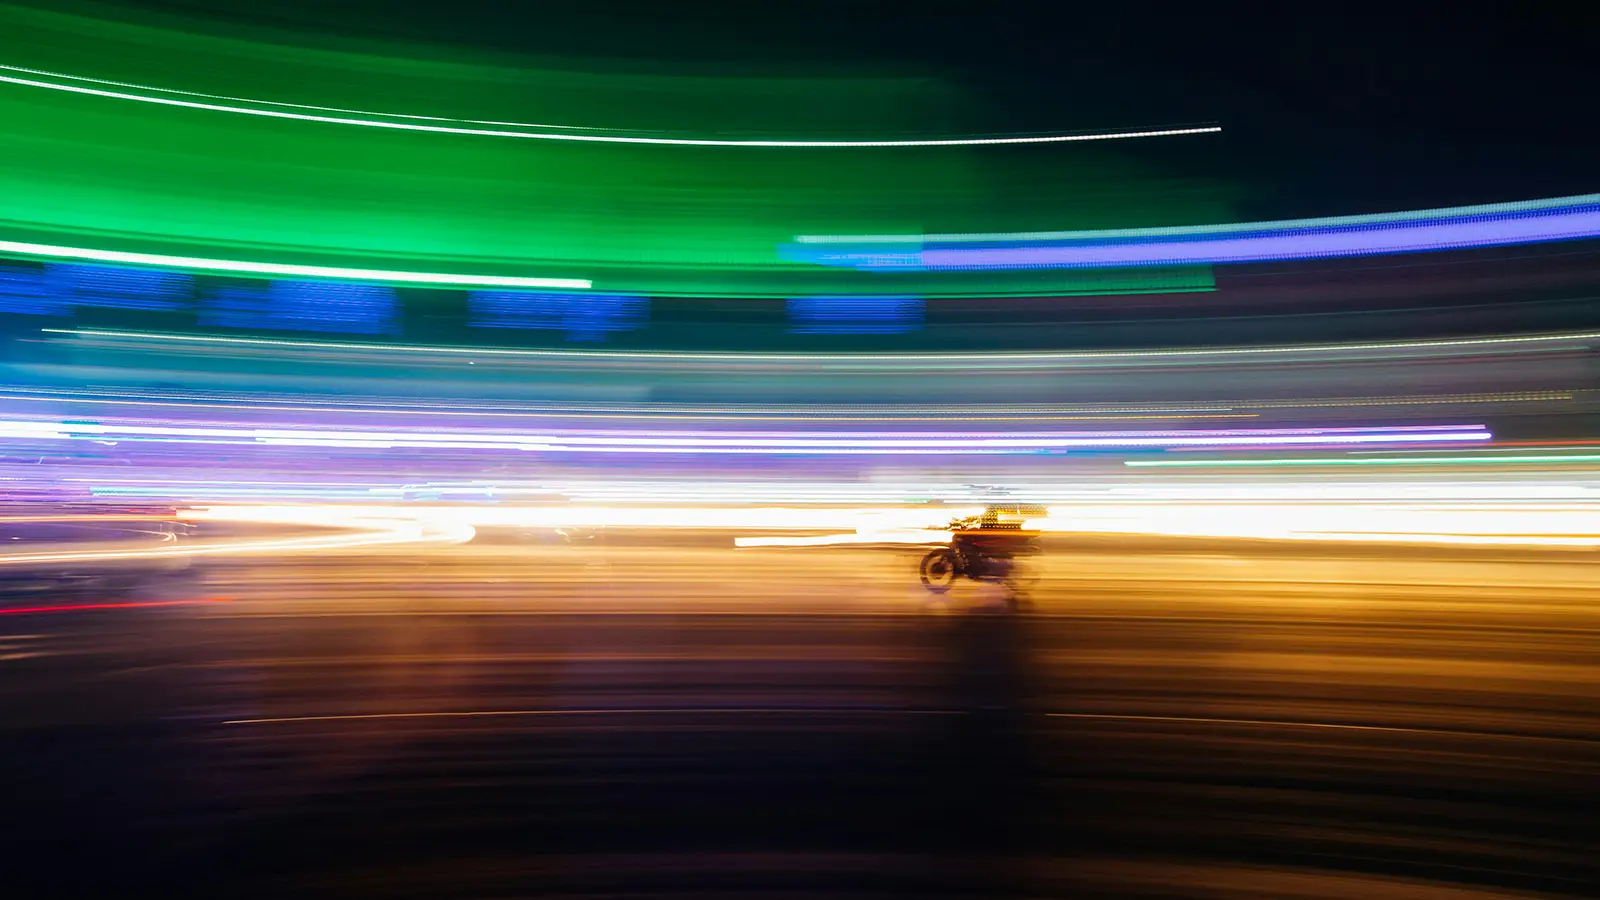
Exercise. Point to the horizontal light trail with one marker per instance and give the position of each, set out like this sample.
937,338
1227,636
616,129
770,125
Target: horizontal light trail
1533,524
1522,447
355,531
1373,522
1389,239
834,710
1519,207
271,109
1295,723
994,360
642,413
1365,461
1582,541
202,264
93,607
704,492
451,520
911,538
1558,219
336,109
831,710
945,443
93,517
1452,518
664,410
907,536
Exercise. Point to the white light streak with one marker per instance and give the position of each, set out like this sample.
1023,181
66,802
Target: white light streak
466,126
54,251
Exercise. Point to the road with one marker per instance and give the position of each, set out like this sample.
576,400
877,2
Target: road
672,716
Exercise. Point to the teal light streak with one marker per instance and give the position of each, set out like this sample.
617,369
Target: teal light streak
874,358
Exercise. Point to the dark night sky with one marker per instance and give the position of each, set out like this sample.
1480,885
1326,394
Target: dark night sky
1327,109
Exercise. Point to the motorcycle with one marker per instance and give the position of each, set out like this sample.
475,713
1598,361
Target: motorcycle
983,553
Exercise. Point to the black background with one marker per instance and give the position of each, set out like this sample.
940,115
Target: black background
1328,109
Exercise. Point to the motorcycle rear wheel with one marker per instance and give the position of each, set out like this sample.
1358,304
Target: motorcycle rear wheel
938,571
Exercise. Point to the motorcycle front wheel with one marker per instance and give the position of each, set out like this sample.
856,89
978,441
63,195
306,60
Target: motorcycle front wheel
1024,575
938,571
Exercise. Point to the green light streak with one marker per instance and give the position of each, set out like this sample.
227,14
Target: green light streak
1347,461
422,190
333,109
257,268
462,126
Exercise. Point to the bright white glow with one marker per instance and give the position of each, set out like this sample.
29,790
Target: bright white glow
1529,524
1533,526
750,443
1532,523
53,251
908,536
450,523
465,126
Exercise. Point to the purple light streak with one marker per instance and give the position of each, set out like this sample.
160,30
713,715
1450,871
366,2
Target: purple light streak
1241,245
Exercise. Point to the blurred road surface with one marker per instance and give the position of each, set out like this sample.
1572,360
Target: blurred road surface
651,717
